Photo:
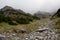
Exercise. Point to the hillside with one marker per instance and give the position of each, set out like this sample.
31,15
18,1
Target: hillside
57,14
56,25
42,14
15,16
16,24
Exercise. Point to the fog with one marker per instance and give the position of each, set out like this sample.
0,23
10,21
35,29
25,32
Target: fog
32,6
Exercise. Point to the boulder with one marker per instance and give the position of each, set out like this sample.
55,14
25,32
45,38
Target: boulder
20,30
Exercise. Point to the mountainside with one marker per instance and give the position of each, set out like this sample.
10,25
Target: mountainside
42,14
14,16
29,26
57,14
56,25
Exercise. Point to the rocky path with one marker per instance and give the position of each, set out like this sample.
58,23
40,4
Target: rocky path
43,33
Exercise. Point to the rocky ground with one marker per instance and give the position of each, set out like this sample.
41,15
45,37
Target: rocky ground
45,32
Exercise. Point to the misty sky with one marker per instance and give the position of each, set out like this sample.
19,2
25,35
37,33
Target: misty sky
32,6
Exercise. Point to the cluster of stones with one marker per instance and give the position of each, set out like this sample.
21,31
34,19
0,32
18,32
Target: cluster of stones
9,36
42,34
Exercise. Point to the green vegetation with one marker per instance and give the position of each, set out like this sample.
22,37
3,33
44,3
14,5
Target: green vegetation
14,19
56,25
14,16
56,20
5,27
56,15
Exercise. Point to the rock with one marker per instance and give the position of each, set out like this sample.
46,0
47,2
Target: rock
43,33
2,37
41,30
22,30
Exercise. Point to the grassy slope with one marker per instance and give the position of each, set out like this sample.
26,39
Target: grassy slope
29,27
56,26
5,27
